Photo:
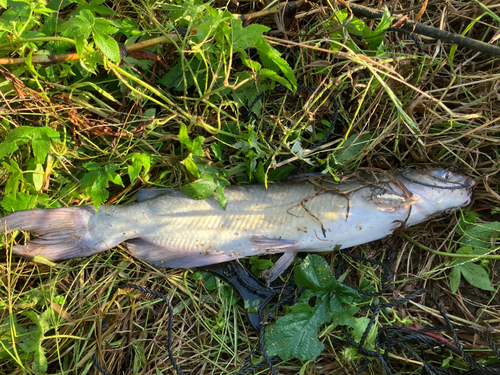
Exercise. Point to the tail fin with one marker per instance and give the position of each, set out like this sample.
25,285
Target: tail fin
63,232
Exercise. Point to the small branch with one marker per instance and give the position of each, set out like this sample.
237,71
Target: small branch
418,28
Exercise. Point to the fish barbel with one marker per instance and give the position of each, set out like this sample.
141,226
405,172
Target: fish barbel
169,230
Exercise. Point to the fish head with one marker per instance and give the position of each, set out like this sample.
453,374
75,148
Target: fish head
439,190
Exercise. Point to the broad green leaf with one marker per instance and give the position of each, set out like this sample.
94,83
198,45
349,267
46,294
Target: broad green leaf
95,182
108,46
184,137
295,335
139,161
217,149
200,189
271,60
23,201
111,175
268,73
40,137
104,26
476,276
360,328
191,166
378,34
352,147
38,177
244,38
314,273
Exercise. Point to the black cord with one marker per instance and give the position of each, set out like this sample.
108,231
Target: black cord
388,339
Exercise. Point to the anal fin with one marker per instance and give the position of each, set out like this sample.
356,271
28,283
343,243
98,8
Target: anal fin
169,257
267,243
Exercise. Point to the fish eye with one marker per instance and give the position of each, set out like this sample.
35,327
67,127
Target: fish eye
445,175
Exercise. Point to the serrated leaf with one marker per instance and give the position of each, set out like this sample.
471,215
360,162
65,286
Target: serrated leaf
268,73
200,189
104,26
15,176
271,60
196,147
108,46
41,146
244,38
97,180
476,276
295,335
23,201
39,365
314,273
139,161
41,138
111,175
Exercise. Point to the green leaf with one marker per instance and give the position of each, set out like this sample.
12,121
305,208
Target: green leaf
217,149
476,276
454,279
191,166
184,137
39,365
271,60
221,198
268,73
38,177
377,36
244,38
352,147
260,263
23,201
104,26
200,189
359,329
314,273
139,161
95,182
15,176
295,335
108,46
40,137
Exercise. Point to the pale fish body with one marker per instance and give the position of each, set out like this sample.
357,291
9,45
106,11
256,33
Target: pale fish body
169,230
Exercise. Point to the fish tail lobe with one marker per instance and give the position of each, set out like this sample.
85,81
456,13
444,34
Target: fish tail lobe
63,233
